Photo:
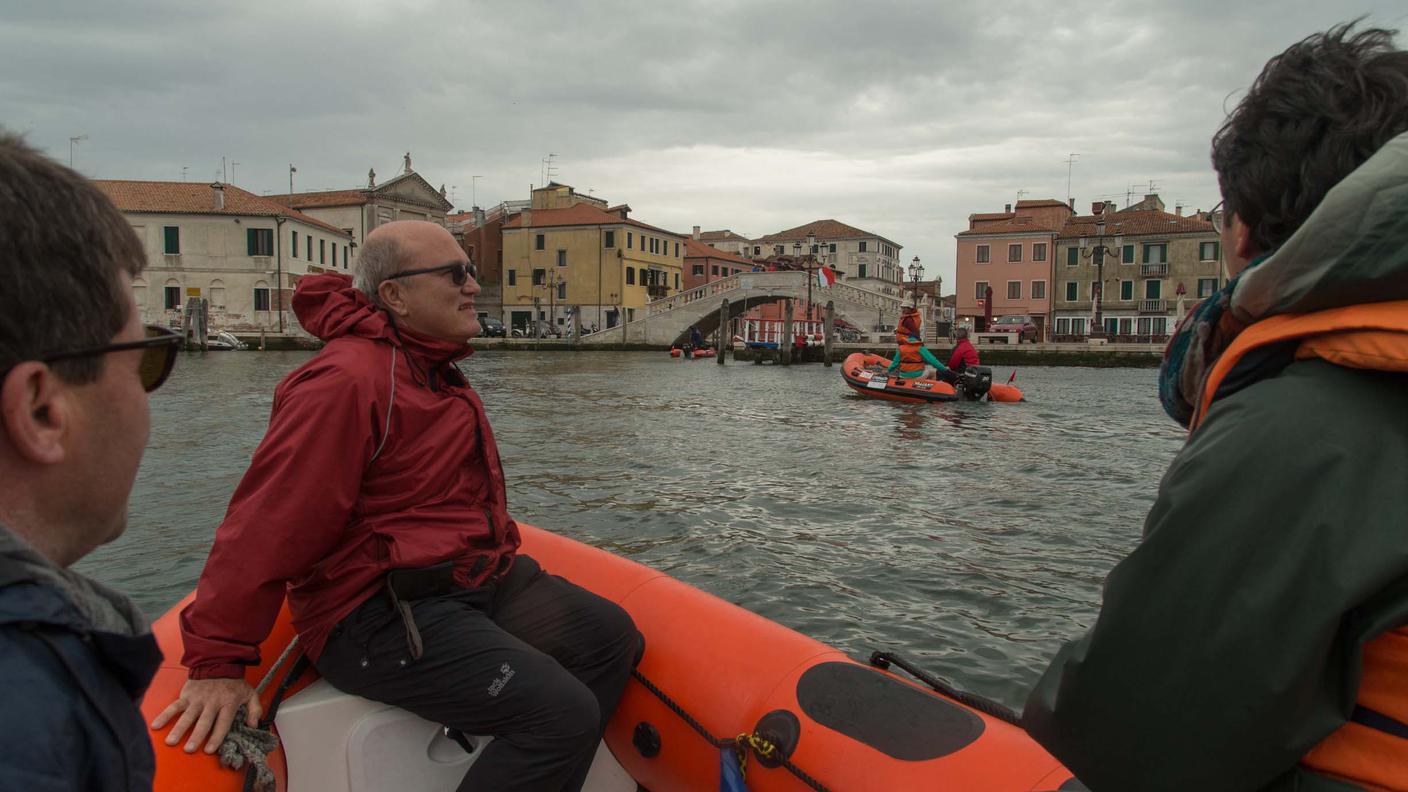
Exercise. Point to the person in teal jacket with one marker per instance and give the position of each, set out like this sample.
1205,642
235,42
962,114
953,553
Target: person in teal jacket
910,359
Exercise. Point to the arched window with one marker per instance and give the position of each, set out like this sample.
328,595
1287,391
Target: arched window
261,296
217,294
171,295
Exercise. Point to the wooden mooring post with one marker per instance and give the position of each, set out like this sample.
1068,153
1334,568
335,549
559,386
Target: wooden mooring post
830,331
724,341
785,348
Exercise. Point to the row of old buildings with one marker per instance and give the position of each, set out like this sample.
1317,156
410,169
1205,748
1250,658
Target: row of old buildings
557,254
562,252
1139,267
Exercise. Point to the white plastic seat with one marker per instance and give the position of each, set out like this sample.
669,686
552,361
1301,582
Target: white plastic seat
335,742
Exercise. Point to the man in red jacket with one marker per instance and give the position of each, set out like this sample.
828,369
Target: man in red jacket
376,502
964,355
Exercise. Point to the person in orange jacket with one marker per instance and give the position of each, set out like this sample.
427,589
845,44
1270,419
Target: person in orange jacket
910,359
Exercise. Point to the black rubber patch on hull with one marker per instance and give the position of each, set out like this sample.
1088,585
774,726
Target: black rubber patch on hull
890,716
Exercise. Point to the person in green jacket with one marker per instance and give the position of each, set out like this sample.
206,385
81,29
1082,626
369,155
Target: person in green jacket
1234,646
912,355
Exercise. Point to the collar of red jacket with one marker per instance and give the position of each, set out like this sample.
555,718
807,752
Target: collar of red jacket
329,307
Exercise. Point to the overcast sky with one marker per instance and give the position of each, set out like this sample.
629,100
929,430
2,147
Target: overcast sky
900,118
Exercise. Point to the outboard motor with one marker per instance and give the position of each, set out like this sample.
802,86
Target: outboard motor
975,382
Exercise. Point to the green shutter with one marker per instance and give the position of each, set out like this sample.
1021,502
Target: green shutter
1072,256
249,242
1129,254
173,240
1146,253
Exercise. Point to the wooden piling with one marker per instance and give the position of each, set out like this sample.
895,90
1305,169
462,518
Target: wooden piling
830,329
724,341
785,349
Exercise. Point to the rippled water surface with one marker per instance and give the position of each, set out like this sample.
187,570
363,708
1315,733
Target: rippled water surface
973,537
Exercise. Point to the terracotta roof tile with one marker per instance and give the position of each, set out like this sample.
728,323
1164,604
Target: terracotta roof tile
1037,203
694,248
725,235
824,229
991,216
578,215
198,198
1029,225
318,200
1139,223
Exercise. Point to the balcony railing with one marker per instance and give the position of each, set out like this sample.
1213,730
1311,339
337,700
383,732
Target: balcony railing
1153,270
1153,306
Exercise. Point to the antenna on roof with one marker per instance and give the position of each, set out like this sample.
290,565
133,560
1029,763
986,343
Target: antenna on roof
1070,163
1020,193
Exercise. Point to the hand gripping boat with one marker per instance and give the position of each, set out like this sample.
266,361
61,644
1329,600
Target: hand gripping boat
868,375
843,725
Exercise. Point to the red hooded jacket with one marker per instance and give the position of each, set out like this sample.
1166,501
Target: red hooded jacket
378,456
964,355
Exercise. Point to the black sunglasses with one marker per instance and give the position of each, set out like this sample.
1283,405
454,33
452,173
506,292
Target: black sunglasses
159,350
459,271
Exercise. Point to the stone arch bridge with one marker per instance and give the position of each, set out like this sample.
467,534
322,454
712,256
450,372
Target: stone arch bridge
667,320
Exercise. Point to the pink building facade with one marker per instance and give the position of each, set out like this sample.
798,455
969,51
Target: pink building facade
1010,252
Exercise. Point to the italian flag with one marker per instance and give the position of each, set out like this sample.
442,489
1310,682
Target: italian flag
825,276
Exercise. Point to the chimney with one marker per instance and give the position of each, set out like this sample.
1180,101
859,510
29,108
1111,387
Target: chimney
1178,210
1007,209
1097,207
219,190
527,217
696,233
1072,203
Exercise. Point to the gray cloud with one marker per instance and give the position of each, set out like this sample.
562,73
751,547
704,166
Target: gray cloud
899,117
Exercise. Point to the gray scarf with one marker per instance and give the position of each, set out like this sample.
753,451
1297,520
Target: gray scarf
102,608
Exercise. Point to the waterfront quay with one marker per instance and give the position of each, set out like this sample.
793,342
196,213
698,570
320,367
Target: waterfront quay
1112,355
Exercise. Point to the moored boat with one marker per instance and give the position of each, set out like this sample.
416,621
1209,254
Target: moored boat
840,723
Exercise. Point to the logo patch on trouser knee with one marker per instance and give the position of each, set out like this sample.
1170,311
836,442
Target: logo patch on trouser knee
506,673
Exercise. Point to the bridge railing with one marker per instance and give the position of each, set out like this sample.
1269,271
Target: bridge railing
787,279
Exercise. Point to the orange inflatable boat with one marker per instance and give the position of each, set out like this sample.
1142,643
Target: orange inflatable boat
827,721
868,375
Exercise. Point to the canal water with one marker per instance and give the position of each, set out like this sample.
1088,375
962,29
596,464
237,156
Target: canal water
972,537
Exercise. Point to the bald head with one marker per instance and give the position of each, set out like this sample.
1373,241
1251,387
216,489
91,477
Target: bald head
402,245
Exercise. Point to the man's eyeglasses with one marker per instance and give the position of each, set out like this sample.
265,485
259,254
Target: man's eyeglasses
159,350
459,271
1215,216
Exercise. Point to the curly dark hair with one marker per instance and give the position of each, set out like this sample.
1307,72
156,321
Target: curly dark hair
1316,112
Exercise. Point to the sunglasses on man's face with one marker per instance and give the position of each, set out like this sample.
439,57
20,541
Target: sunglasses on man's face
159,350
459,272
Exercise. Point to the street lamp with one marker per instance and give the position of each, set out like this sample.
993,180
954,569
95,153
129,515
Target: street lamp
916,273
552,282
1098,251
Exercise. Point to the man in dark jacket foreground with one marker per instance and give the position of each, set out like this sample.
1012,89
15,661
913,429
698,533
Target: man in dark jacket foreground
76,365
379,477
1255,639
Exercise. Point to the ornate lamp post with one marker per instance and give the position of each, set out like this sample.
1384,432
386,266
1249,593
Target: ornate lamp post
1098,251
916,273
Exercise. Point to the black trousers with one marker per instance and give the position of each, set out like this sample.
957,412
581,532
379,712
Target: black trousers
534,660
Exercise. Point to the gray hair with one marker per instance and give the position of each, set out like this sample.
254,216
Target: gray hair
63,247
380,259
961,332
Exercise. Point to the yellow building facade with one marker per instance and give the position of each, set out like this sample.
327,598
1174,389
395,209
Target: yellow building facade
571,250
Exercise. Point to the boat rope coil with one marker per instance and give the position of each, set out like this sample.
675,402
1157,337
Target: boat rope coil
742,744
247,748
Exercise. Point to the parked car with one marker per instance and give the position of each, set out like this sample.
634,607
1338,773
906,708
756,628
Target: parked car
1021,324
493,328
